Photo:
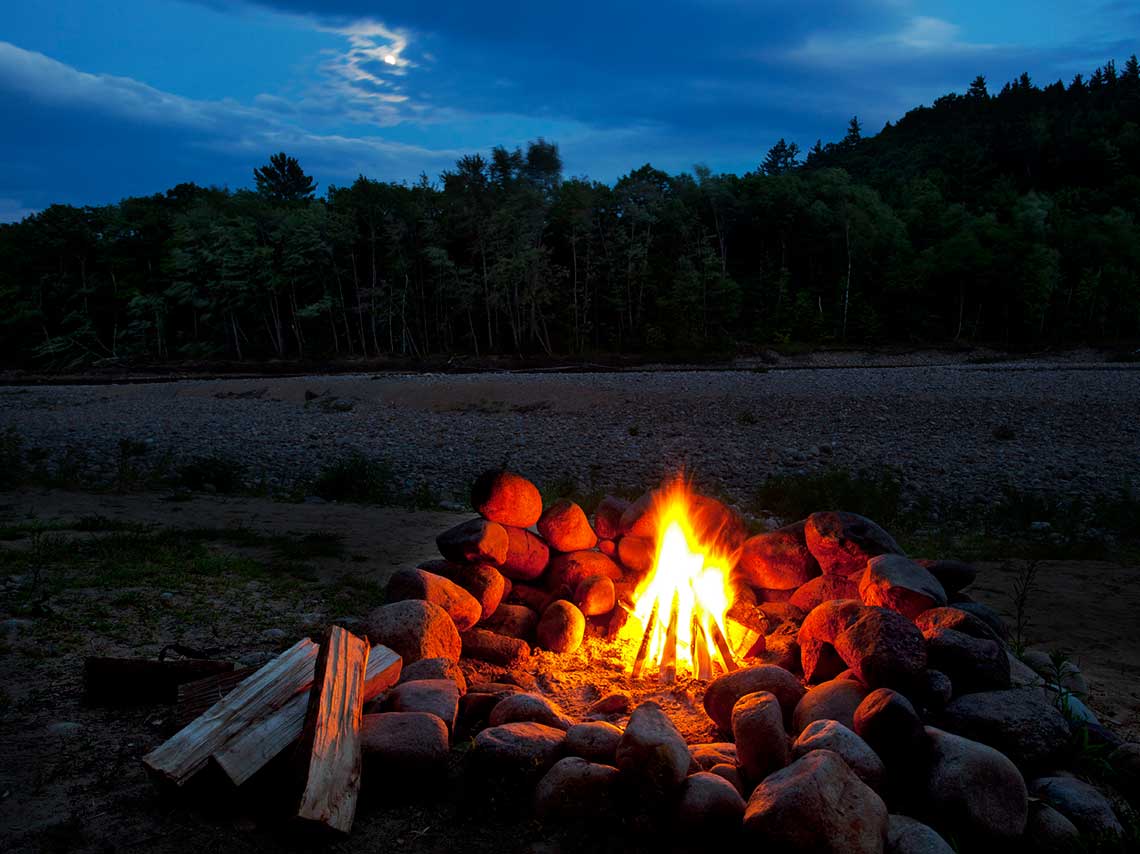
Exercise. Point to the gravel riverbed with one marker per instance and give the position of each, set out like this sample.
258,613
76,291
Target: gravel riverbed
955,433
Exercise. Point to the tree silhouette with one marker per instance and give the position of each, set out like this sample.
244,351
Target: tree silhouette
854,132
283,180
782,157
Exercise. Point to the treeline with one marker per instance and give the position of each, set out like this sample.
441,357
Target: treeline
1007,218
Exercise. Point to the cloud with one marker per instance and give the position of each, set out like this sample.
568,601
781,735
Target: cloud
919,39
12,210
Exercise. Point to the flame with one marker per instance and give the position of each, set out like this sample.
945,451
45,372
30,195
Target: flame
681,604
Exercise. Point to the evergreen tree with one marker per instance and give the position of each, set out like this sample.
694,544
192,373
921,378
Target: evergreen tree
854,132
978,88
781,158
283,180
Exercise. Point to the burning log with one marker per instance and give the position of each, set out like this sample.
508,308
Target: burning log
187,752
330,742
701,650
723,648
668,667
257,745
646,639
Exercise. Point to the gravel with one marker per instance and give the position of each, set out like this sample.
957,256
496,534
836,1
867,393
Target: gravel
1073,427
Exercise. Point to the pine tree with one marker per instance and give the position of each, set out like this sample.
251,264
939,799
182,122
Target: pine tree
283,180
1131,69
978,88
854,131
781,158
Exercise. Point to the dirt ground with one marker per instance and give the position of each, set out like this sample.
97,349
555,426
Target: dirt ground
70,774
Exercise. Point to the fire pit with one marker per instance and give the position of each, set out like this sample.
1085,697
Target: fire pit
810,686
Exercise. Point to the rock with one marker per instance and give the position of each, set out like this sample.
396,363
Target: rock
439,697
607,517
64,729
765,595
405,742
614,703
724,691
527,555
907,836
567,571
817,634
953,575
495,648
823,589
834,736
710,805
1089,810
575,788
731,773
1019,722
476,541
970,791
885,650
485,583
517,749
506,498
778,560
706,755
958,620
652,755
1049,832
636,554
532,597
529,707
516,621
561,627
1125,762
937,691
435,668
595,596
414,629
895,582
780,650
639,519
987,614
835,700
782,612
972,664
888,722
758,729
565,527
593,740
842,542
463,608
816,804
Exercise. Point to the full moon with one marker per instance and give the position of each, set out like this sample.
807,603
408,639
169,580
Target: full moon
390,59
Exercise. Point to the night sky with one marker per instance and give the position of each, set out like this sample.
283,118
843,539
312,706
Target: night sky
102,100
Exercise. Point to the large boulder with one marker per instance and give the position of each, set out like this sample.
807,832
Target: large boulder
594,740
520,749
953,575
507,498
817,634
824,588
567,571
817,804
405,742
907,836
971,791
1020,722
607,517
758,729
895,582
723,692
888,722
652,755
595,596
529,707
576,789
527,555
463,608
988,615
1080,803
514,621
439,697
712,753
834,700
565,527
561,627
884,649
958,620
485,583
1125,763
414,629
1049,832
972,664
843,542
475,541
834,736
709,805
435,668
778,560
636,554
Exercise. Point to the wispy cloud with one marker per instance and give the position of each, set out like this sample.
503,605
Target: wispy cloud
920,37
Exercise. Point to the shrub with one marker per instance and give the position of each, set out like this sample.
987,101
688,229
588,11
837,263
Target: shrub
358,478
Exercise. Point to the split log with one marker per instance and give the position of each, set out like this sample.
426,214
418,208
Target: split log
495,648
330,742
184,754
128,681
254,747
195,697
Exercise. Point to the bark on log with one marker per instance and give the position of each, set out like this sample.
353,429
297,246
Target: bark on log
184,754
127,681
330,743
257,745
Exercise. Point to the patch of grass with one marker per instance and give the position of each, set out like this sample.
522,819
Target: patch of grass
316,544
746,418
878,496
211,473
634,430
357,478
13,466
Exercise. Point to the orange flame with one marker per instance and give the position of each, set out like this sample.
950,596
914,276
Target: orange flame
681,604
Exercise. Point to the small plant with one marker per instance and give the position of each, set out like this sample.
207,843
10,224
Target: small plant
876,495
634,430
358,478
746,418
1024,584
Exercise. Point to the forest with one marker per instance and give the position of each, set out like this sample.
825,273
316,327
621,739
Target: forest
1009,218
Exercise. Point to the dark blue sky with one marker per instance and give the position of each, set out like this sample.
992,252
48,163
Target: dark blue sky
106,99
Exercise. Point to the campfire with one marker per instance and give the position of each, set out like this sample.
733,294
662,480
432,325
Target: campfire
809,685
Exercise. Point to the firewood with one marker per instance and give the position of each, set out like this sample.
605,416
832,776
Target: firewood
184,754
127,681
330,742
197,696
254,747
646,640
